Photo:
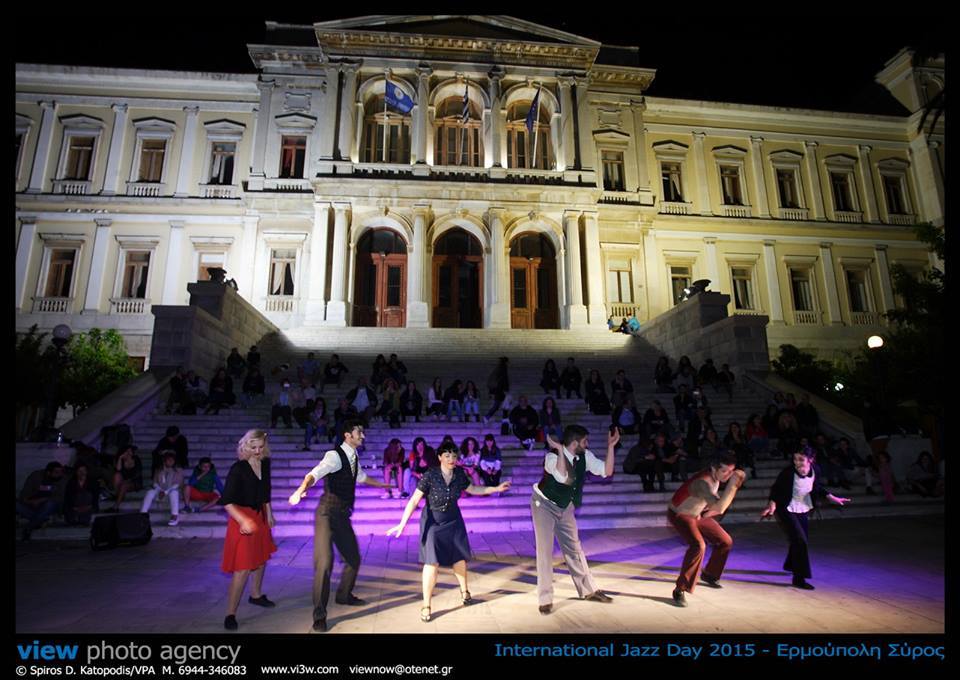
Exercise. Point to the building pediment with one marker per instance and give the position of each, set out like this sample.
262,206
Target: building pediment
670,147
729,151
82,122
296,120
786,156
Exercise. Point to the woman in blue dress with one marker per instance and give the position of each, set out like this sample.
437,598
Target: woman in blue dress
443,535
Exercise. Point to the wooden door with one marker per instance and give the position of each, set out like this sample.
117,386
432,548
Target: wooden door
380,297
523,291
457,291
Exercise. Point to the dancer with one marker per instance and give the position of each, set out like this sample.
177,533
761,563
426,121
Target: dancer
248,546
691,512
792,497
443,535
341,467
554,499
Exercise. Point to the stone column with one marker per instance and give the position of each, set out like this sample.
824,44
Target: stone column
317,287
773,283
497,122
98,267
337,307
259,158
42,154
328,113
760,184
817,211
418,313
588,150
348,113
596,303
928,179
247,274
25,246
640,144
576,311
710,257
111,180
187,152
870,211
500,267
568,154
883,273
703,188
419,141
654,275
830,283
172,291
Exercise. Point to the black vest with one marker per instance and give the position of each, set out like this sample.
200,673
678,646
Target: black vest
563,494
342,484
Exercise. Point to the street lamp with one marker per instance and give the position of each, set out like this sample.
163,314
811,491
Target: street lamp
61,336
698,286
874,342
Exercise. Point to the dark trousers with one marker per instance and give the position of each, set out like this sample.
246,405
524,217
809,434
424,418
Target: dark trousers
38,514
649,469
332,527
280,412
794,525
696,533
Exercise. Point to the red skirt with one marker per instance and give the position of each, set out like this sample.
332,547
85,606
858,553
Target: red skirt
247,551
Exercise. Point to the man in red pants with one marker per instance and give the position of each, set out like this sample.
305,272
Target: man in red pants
691,512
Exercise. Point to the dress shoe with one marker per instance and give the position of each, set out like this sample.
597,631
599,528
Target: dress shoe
710,581
261,601
320,625
351,601
679,598
802,584
230,622
546,608
598,596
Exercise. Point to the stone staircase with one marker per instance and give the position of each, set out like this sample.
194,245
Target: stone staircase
466,354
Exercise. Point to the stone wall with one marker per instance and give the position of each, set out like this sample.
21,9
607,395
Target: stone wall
700,329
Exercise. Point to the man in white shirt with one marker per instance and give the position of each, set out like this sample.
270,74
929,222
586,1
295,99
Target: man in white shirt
341,470
552,505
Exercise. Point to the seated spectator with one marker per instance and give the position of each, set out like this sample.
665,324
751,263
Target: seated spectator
411,402
127,474
550,421
470,459
624,326
757,438
41,497
710,445
282,406
309,391
699,397
735,441
235,364
771,421
422,458
668,455
707,375
333,372
685,375
807,417
697,431
299,404
452,400
570,379
833,472
663,375
633,324
196,389
253,388
627,417
684,407
885,473
82,497
379,373
471,402
316,423
204,486
790,403
178,391
655,420
924,477
620,387
596,395
644,461
394,462
726,380
253,358
364,400
176,442
788,434
435,399
525,422
550,378
611,324
397,370
345,411
389,410
221,392
849,460
491,462
778,401
99,468
309,370
166,482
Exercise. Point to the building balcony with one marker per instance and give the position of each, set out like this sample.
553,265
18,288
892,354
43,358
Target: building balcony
620,197
73,187
804,318
619,310
794,214
55,305
129,305
218,191
864,318
848,216
291,184
281,303
675,208
736,211
902,220
145,189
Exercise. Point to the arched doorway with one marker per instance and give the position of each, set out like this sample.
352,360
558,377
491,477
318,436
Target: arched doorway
380,291
533,283
457,281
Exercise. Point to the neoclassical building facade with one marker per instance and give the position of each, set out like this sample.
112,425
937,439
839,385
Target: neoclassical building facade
473,172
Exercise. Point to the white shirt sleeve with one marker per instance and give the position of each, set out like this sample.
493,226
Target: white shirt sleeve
595,466
550,467
361,475
329,464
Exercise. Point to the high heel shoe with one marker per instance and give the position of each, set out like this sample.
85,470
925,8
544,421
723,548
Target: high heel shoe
465,597
425,617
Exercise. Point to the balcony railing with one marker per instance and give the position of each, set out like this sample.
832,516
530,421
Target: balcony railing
736,211
58,305
848,216
146,189
129,305
620,197
802,318
675,208
902,220
281,303
865,318
218,190
623,309
76,187
794,214
292,184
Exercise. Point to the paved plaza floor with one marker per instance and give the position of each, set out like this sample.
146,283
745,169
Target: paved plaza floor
882,575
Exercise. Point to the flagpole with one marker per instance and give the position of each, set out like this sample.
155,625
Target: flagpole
536,127
386,121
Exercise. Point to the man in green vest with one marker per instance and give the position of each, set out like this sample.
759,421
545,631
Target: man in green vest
554,500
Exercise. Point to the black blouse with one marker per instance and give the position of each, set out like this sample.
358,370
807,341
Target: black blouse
243,487
441,497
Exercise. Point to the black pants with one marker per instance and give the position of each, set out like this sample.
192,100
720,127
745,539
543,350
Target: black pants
278,412
794,525
332,527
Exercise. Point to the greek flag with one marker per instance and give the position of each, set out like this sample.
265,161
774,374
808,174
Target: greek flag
465,113
533,115
397,98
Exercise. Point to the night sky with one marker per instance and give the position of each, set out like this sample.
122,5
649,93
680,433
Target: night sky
806,62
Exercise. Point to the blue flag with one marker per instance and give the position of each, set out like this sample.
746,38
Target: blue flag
465,113
534,113
397,98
